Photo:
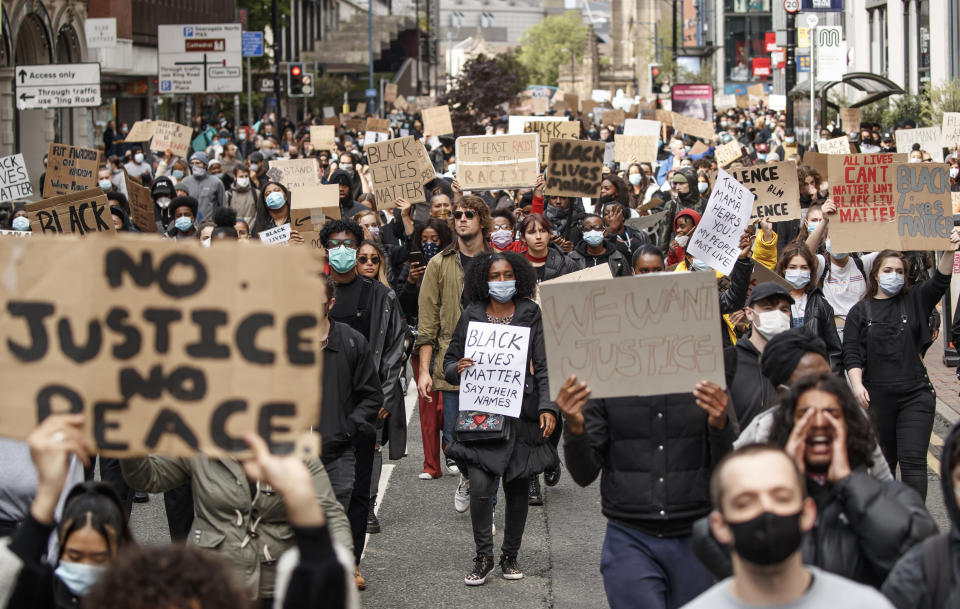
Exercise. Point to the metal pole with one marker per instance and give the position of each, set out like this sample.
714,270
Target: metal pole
790,77
236,111
276,63
249,96
674,51
419,49
813,80
370,40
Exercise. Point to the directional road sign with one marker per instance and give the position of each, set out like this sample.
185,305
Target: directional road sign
253,44
199,58
66,85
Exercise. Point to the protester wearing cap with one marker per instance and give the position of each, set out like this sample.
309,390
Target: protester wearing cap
184,213
205,188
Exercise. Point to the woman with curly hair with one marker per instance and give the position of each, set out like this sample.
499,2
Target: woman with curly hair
500,288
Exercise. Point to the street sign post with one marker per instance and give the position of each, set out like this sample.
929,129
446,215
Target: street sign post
252,47
202,58
72,85
791,6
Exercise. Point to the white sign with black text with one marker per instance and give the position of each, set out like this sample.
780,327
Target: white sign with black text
200,58
494,383
63,85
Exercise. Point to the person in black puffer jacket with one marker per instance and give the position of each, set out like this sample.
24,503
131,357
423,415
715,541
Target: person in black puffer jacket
547,259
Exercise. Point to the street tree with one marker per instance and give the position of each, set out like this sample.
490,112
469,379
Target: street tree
544,46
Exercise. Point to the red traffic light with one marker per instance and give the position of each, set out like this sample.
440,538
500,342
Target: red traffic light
295,70
655,71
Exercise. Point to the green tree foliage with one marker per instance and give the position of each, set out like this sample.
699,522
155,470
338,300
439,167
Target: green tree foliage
942,98
892,111
546,45
484,83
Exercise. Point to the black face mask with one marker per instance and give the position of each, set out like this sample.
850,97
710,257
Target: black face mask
768,539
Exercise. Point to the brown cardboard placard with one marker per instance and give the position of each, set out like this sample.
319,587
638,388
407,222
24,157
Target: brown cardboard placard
70,169
595,329
924,206
613,118
755,90
361,108
399,168
762,274
294,173
331,120
861,186
837,145
728,153
323,137
141,205
635,148
850,119
575,168
743,102
141,131
400,103
601,271
206,392
494,162
587,106
539,105
549,131
307,205
380,125
83,212
354,123
173,137
572,101
776,188
390,91
693,126
436,121
816,160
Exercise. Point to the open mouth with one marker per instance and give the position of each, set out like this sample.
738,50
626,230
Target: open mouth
819,443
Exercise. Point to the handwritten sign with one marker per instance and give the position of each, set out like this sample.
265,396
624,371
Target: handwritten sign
70,169
323,137
83,212
14,180
378,125
141,205
640,126
929,139
613,118
645,335
693,126
436,121
924,206
171,136
141,131
160,351
716,239
861,186
837,145
576,168
549,131
850,117
776,188
728,153
295,173
635,148
950,132
278,235
399,168
494,383
493,162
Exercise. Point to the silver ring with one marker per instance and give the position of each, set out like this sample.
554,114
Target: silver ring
58,437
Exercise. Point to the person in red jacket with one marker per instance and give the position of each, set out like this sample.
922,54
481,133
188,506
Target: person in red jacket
683,226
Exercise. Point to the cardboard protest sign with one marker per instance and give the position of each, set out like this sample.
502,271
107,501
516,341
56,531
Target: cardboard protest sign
171,136
516,123
353,123
278,235
294,173
929,139
613,118
14,180
494,383
587,106
776,188
743,102
575,168
70,169
141,131
379,125
816,160
141,205
87,211
399,168
361,107
163,347
311,205
924,206
15,233
601,271
572,101
390,91
762,274
539,105
755,90
693,126
850,118
492,162
635,148
716,239
645,335
728,153
549,131
645,222
639,126
436,121
861,186
950,131
333,121
837,145
323,137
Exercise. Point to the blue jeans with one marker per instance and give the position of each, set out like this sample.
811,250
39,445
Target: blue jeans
451,406
641,571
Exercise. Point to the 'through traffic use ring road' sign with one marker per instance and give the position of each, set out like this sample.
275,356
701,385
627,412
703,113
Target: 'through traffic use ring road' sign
65,85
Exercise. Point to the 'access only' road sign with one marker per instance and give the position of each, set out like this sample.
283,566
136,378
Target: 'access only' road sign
202,58
65,85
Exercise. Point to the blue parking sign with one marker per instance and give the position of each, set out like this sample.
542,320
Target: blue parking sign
252,44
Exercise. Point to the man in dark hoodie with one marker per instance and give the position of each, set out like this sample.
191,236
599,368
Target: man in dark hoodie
348,206
597,248
687,197
928,576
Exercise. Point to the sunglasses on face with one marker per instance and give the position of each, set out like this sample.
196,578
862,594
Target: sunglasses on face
371,259
469,214
502,227
332,243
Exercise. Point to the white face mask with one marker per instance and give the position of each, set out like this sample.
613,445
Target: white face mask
771,323
138,158
682,240
163,202
243,182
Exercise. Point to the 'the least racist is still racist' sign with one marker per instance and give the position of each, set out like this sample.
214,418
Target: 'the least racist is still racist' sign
492,162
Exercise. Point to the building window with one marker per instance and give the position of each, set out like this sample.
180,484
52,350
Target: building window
744,40
747,6
877,18
923,41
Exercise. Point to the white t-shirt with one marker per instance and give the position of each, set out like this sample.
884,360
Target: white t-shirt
845,285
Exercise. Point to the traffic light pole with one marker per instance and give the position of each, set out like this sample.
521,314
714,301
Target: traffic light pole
275,27
790,77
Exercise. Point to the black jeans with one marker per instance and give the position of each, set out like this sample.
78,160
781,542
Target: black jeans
904,412
483,488
179,505
364,447
110,472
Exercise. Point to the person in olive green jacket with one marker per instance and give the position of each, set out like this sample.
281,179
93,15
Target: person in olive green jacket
244,522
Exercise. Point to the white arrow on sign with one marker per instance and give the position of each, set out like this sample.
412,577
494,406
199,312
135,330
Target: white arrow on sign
74,85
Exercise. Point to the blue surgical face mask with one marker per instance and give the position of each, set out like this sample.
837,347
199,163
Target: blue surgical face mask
635,178
502,291
699,265
342,258
593,237
178,174
78,577
21,223
104,184
276,200
429,249
798,278
812,226
223,141
183,224
891,283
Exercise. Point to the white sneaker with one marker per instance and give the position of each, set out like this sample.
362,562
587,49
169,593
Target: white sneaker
452,467
461,499
426,476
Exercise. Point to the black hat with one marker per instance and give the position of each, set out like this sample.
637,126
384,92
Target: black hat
887,137
162,187
765,290
184,201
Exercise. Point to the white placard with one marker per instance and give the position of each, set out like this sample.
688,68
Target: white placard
515,123
831,53
101,33
717,238
66,85
494,383
640,126
929,138
950,133
14,180
15,233
276,236
777,102
204,58
372,137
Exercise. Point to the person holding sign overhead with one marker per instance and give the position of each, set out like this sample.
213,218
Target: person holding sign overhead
500,288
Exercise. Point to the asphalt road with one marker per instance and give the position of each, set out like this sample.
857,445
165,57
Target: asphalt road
425,549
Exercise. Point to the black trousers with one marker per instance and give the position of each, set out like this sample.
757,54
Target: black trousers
110,472
483,489
364,447
179,505
904,412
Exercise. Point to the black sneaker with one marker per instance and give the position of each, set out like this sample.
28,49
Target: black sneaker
510,567
552,476
535,497
373,523
140,497
482,566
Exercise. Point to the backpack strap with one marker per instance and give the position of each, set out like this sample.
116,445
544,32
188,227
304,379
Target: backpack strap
938,569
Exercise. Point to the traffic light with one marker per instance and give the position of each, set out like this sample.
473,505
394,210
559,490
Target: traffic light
306,83
655,70
295,80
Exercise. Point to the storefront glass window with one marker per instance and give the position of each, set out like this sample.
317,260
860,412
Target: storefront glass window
744,40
